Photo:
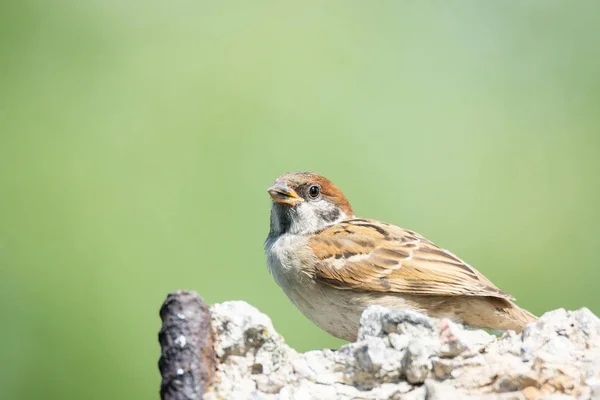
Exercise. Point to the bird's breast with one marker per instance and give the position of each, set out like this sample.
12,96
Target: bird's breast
291,263
286,259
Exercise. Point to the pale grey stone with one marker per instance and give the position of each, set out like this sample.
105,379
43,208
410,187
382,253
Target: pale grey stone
372,363
377,321
442,391
399,342
406,355
323,366
419,393
417,360
453,339
239,327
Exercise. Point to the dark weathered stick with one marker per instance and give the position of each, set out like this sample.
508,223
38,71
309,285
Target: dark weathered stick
187,362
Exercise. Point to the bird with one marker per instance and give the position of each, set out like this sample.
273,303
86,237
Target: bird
332,265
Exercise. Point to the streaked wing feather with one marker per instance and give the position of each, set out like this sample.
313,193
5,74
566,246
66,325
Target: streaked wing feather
363,254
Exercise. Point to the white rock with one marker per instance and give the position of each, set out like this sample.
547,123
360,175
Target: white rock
239,327
406,355
418,359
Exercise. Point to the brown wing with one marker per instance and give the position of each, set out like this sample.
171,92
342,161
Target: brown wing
363,254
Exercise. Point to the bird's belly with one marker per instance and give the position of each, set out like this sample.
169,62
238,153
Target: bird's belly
338,311
334,312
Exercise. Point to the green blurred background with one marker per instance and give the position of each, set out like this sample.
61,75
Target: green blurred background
137,140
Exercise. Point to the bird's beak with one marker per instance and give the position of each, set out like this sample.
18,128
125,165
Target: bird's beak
283,194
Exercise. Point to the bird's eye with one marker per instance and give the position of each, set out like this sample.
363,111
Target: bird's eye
314,191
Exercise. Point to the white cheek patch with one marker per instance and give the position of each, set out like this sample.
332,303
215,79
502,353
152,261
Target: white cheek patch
315,216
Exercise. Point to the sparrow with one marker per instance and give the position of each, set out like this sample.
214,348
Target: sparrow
332,265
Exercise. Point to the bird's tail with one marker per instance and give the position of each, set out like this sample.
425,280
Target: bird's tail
519,318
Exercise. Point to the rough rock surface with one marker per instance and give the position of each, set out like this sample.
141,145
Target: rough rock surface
406,355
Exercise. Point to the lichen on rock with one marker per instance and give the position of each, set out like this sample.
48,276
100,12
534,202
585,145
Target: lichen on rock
406,355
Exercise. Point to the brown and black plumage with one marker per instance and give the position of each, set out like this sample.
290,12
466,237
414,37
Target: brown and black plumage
332,265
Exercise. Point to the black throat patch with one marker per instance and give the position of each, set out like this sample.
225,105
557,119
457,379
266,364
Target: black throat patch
282,220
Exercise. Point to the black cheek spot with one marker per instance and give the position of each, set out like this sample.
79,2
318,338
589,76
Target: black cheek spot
348,254
330,215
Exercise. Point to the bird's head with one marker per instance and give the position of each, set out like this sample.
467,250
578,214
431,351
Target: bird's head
306,202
